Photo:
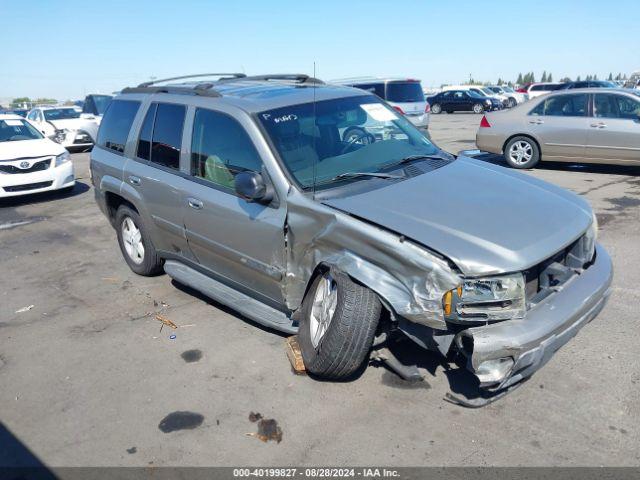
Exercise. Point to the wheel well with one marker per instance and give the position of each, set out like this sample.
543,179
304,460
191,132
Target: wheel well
504,146
113,201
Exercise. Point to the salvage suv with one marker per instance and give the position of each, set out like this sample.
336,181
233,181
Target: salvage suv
257,192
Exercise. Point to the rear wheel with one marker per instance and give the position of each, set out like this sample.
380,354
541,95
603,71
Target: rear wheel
136,247
436,108
511,102
522,152
339,321
478,108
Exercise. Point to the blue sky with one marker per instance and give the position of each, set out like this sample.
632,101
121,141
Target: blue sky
64,49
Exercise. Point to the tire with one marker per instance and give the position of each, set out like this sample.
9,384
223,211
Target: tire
478,108
522,152
353,314
143,261
436,108
511,102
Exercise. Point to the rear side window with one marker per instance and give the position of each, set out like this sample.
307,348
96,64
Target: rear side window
115,126
562,106
401,92
608,105
375,88
221,149
160,139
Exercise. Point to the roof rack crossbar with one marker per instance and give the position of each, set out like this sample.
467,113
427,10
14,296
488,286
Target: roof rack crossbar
203,90
295,77
184,77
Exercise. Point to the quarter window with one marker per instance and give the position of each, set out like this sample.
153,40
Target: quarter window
115,126
562,106
221,149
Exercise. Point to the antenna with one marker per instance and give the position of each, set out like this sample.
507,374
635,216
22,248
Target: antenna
315,157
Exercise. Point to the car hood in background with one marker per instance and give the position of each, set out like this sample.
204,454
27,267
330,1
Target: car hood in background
29,149
71,123
485,218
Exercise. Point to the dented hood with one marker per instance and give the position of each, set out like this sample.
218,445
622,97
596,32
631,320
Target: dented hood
485,218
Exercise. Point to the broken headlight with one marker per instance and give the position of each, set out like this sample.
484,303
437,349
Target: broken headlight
486,299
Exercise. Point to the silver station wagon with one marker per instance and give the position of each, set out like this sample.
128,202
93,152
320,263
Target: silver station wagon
321,210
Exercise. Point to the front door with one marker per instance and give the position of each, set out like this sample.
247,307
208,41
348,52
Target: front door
614,129
242,242
560,124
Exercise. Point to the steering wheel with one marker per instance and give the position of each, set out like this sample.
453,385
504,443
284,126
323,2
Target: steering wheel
354,135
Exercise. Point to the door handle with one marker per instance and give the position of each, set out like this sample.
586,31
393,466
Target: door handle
195,203
536,122
134,180
599,125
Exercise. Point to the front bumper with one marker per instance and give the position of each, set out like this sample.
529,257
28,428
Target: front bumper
530,343
73,139
54,178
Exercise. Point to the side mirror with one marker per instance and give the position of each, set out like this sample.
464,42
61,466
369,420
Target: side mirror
252,187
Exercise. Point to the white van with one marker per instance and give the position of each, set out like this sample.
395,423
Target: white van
403,94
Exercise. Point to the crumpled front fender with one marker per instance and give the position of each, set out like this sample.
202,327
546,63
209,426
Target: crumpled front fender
408,277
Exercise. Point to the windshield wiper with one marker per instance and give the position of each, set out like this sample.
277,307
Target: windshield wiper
363,174
413,158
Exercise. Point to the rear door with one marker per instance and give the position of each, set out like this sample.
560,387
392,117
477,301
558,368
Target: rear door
560,125
614,129
155,174
241,241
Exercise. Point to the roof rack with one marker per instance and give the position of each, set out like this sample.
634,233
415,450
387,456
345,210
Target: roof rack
184,77
294,77
206,89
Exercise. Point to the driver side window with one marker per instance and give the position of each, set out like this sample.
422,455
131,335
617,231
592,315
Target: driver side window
221,148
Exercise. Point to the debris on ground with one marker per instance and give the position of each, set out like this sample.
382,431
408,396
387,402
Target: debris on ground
172,337
25,309
165,321
268,428
294,354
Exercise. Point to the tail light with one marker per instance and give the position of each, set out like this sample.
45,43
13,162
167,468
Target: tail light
427,109
484,123
399,110
521,90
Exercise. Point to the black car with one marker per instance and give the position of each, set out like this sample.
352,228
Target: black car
462,101
587,84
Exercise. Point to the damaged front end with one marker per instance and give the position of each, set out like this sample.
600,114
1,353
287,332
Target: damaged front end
504,326
563,294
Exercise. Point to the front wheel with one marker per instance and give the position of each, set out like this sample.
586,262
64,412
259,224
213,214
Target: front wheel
522,152
511,102
436,108
478,108
339,322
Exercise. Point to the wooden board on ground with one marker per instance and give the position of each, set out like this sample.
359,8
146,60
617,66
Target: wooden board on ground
294,355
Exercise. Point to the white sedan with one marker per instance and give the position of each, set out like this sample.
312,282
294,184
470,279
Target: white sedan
30,162
65,126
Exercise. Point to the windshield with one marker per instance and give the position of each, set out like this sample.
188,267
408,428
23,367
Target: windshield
508,89
402,92
495,89
474,94
346,135
487,91
101,102
12,130
60,113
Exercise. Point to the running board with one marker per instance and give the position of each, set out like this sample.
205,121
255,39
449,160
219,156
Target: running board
232,298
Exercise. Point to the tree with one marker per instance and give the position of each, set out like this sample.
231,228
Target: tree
18,102
520,80
500,81
595,77
549,77
544,76
45,100
578,78
610,78
565,79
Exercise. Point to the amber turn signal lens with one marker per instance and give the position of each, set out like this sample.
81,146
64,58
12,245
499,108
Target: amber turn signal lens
447,303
